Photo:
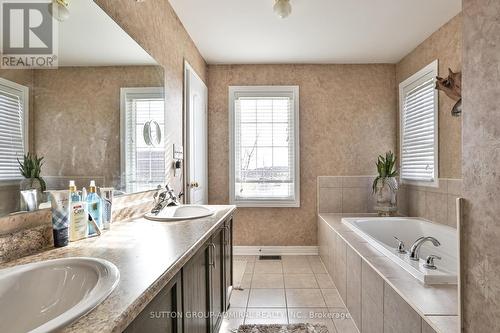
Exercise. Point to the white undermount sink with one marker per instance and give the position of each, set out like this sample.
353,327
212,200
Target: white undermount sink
179,213
49,295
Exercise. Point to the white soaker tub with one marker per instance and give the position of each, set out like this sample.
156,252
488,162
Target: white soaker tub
380,232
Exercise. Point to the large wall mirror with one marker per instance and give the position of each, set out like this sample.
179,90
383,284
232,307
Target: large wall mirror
99,116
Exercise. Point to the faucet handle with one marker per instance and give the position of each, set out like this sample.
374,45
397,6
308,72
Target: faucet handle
401,245
429,262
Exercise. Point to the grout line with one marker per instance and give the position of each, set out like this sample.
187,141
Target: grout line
249,290
328,308
284,291
286,298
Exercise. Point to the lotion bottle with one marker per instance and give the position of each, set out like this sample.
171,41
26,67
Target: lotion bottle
78,226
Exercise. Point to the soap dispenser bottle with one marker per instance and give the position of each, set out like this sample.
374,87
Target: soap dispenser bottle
94,207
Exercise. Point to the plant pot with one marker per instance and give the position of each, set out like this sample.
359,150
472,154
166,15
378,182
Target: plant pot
386,196
33,184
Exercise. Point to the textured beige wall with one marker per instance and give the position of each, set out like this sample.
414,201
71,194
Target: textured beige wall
77,118
446,46
480,232
347,117
156,27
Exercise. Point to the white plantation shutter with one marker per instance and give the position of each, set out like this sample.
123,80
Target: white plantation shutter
143,165
264,132
419,127
13,128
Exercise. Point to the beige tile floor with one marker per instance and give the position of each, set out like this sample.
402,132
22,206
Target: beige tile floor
296,289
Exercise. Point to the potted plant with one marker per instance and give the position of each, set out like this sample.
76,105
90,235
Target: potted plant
31,167
385,185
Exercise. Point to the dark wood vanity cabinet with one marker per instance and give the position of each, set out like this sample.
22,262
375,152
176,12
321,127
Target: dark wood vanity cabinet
216,283
196,291
195,300
162,314
204,285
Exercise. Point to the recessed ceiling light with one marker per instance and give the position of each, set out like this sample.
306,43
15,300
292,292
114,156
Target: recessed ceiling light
282,8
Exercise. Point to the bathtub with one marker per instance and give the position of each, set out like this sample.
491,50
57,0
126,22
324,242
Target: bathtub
380,232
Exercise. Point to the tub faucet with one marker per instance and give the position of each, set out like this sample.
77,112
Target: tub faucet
415,248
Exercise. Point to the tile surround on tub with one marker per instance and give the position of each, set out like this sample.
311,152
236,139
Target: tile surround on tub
437,204
345,194
353,194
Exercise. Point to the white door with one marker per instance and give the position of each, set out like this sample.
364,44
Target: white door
196,95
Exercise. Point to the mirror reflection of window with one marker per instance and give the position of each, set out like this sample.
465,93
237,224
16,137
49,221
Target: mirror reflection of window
13,128
143,148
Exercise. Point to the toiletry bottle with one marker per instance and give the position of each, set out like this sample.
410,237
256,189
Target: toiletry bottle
73,193
94,206
107,205
78,225
60,226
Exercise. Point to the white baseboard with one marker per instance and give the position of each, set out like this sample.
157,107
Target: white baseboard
275,250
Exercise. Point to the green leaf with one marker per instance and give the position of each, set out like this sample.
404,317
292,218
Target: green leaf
386,166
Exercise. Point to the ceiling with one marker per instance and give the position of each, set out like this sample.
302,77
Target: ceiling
91,38
317,31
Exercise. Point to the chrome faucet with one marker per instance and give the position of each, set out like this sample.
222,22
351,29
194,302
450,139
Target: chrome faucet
415,248
165,198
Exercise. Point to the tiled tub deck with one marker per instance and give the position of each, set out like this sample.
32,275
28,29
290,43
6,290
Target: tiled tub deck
381,296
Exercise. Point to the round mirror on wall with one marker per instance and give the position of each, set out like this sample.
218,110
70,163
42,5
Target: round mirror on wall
152,133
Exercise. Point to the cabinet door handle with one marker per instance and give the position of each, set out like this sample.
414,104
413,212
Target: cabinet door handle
226,235
212,255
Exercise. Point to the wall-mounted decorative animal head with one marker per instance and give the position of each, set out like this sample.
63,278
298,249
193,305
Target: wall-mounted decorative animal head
452,87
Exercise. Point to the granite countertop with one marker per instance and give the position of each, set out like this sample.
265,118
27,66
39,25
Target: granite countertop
437,304
148,254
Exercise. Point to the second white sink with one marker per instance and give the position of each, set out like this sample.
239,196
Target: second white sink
179,213
48,295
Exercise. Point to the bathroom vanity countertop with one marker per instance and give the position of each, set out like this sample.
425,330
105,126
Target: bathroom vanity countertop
438,303
148,254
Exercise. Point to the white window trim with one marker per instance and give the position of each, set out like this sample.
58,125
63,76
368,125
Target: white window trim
432,68
123,125
259,90
26,122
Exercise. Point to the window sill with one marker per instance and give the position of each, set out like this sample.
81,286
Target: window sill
266,204
10,183
433,184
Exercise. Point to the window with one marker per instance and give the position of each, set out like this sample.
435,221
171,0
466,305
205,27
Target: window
264,140
14,110
143,148
419,127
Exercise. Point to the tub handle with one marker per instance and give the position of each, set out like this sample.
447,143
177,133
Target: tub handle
429,262
401,245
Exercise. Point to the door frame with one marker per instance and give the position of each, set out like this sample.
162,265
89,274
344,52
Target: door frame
185,170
